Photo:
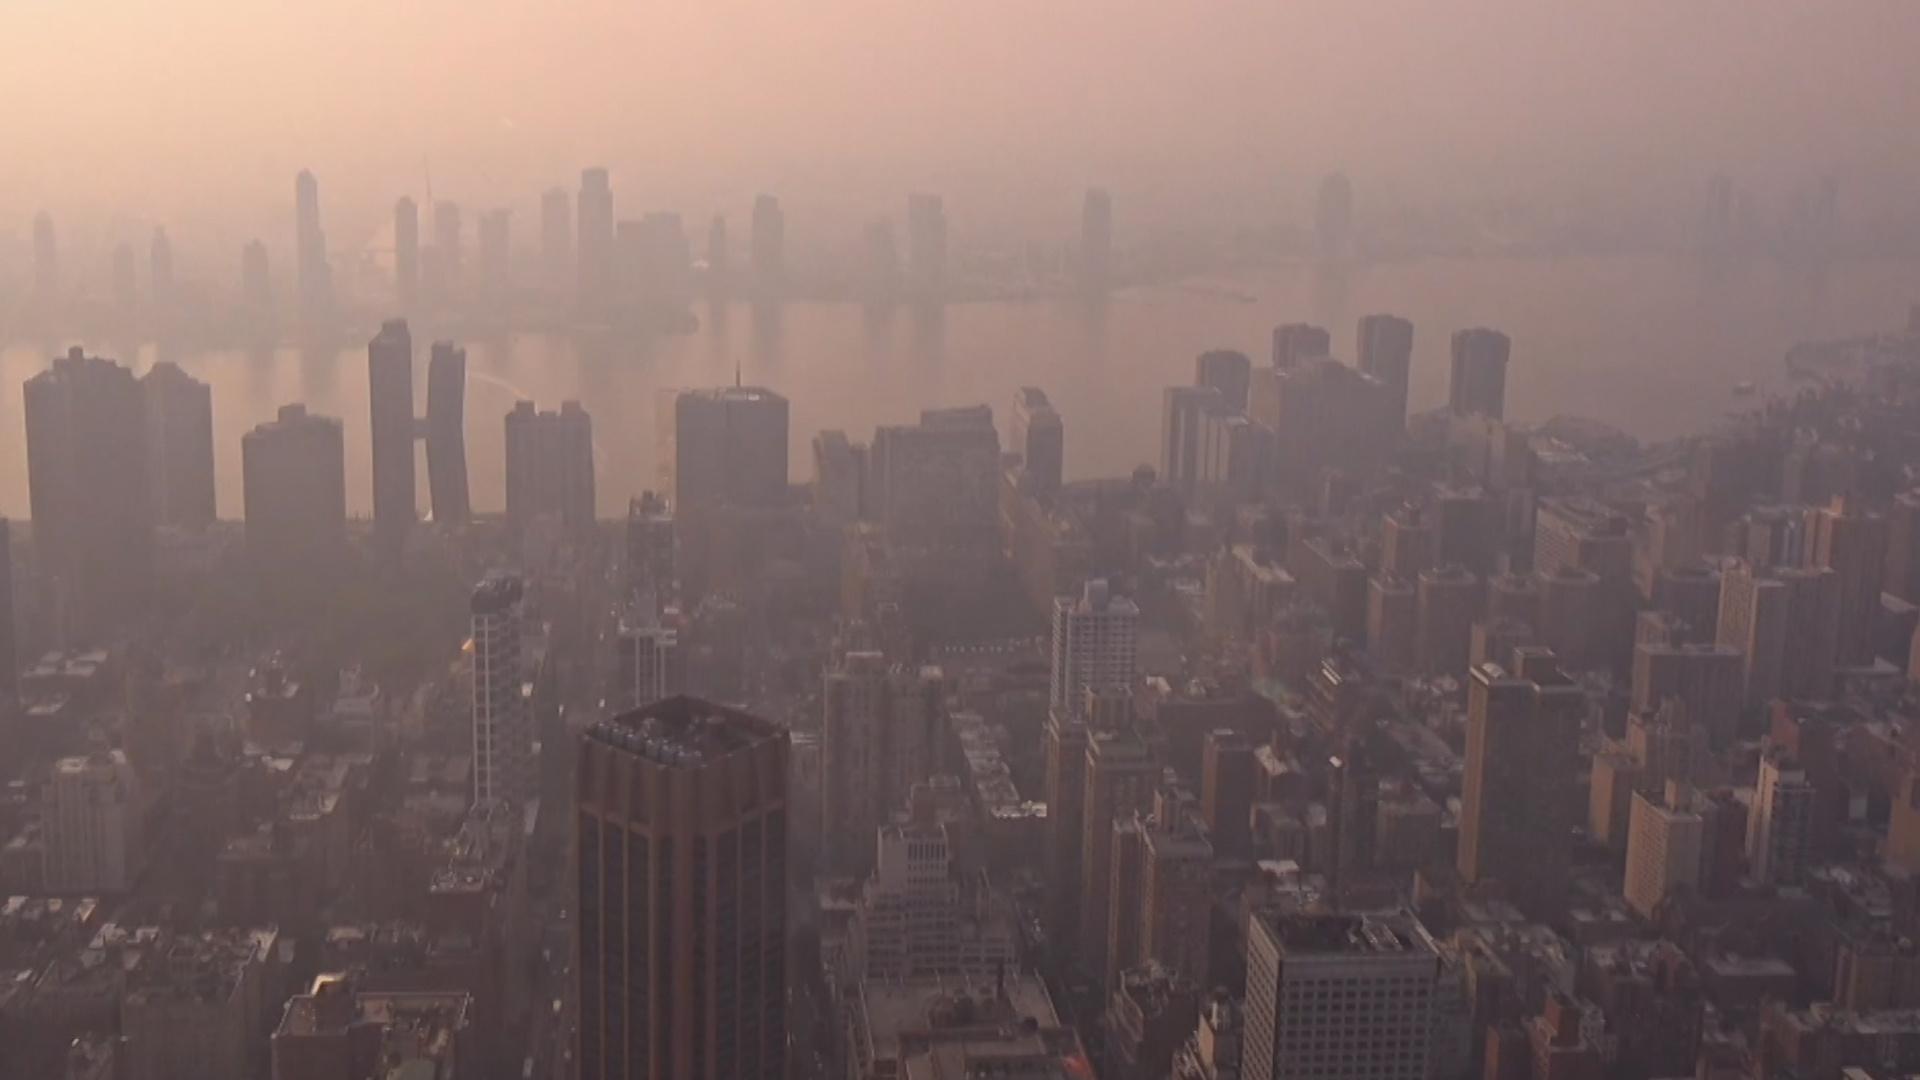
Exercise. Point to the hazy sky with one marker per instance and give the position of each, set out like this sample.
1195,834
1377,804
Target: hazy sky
181,109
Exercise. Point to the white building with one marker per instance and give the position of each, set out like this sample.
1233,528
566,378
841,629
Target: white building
918,917
503,769
1339,995
1664,841
91,825
1780,824
1095,641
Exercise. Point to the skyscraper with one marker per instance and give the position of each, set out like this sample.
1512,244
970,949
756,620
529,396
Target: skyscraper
1479,382
769,248
1040,440
595,249
878,735
1296,343
179,412
1851,541
1227,371
550,467
730,448
1380,976
294,485
649,548
1183,412
312,275
93,820
682,929
1095,641
446,434
1523,737
556,236
1785,622
503,766
1066,790
1385,351
1096,241
927,246
390,411
1121,774
87,483
1663,848
406,255
937,483
1780,824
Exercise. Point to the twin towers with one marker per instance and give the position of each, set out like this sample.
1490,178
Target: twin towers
394,427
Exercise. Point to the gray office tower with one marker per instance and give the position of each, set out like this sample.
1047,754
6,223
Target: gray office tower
446,434
1385,351
730,448
390,415
179,446
1479,383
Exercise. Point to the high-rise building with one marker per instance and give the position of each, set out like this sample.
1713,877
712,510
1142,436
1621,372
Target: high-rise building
406,255
927,246
1708,680
1851,541
878,738
595,250
1227,788
1785,621
1448,600
556,236
1183,411
1066,787
503,765
1296,343
9,645
1780,824
1096,241
681,856
1121,775
294,481
769,248
1393,613
445,433
1478,386
313,275
649,549
87,484
1176,902
730,448
1228,371
1095,641
390,415
1385,351
46,259
1664,843
1353,812
550,467
179,446
1380,980
1333,217
921,915
649,663
1040,440
936,484
92,825
1523,737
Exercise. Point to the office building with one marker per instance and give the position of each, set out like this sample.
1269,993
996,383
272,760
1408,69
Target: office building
936,484
556,236
179,411
1664,846
1324,415
503,765
1095,641
1227,788
921,915
406,255
594,212
1353,814
1096,241
1296,343
1780,822
1393,613
313,275
681,858
1382,975
1785,622
294,484
342,1030
649,545
87,485
1228,371
730,448
1235,456
1176,895
1121,776
446,434
1851,541
391,423
878,737
1406,542
550,468
92,822
1523,740
769,248
9,645
649,663
1385,351
1182,411
1448,600
1708,680
926,247
1040,440
839,477
1478,386
1066,788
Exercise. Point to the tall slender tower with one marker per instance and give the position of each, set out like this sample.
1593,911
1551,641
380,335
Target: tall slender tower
503,767
681,854
1385,351
390,409
1479,382
446,434
313,275
1523,737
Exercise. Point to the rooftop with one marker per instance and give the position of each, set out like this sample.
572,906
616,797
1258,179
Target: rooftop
1339,935
684,731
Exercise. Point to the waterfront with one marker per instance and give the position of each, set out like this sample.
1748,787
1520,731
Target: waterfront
1651,345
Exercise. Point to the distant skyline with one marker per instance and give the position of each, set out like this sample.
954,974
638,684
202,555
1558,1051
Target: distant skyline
838,104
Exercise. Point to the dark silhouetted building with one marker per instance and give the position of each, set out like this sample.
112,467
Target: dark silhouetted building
391,423
294,479
445,432
1385,351
1523,724
313,275
1183,411
1478,386
1851,541
730,448
550,467
1040,439
936,484
179,446
87,483
649,548
1296,343
1228,371
681,855
1384,975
